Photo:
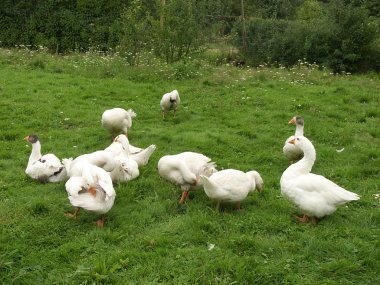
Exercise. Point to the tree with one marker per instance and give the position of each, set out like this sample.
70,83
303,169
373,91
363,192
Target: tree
308,10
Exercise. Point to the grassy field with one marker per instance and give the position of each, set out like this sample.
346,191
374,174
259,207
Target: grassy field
238,117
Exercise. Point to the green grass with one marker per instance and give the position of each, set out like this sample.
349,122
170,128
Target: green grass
238,117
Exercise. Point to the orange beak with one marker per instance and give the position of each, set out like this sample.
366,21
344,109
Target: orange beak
292,121
26,138
292,141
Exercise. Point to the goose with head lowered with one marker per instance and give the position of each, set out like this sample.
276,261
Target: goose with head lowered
98,158
126,168
170,101
92,191
121,146
44,168
291,151
231,185
118,120
314,194
184,169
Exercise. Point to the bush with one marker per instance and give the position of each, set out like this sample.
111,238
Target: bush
343,39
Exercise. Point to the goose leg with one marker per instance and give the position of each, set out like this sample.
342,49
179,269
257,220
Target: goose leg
174,113
303,219
163,115
217,208
314,220
100,222
73,215
238,206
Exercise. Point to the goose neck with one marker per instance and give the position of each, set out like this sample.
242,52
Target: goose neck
299,130
36,152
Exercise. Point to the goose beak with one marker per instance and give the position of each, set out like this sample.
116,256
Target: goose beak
26,138
292,121
292,141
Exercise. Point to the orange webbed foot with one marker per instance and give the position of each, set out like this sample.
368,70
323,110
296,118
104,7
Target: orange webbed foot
303,219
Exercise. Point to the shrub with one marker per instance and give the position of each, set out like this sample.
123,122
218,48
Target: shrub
343,39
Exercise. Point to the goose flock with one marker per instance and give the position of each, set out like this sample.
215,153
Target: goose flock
91,177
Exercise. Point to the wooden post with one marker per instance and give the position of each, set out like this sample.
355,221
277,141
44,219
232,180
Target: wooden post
244,31
162,14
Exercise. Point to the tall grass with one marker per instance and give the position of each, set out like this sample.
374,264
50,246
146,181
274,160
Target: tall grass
238,117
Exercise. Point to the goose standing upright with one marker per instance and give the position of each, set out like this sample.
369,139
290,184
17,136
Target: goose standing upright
170,101
118,120
314,194
44,168
231,185
92,191
184,169
291,151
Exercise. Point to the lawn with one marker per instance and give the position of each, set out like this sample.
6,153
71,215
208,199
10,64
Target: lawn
238,117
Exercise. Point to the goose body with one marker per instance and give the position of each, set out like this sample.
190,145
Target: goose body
291,151
170,101
314,194
98,158
121,146
92,190
231,185
44,168
118,120
126,168
142,157
184,169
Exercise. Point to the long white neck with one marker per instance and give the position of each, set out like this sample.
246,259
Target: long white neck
303,166
125,145
307,162
299,130
36,152
88,174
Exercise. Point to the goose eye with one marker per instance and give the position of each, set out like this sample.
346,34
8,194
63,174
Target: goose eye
298,139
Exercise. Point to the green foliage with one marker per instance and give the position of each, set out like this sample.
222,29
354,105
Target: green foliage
61,26
137,29
181,34
309,10
342,39
354,36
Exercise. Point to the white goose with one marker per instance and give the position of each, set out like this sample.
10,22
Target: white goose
98,158
126,168
231,185
314,194
118,120
184,169
92,191
170,101
45,168
121,145
291,151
